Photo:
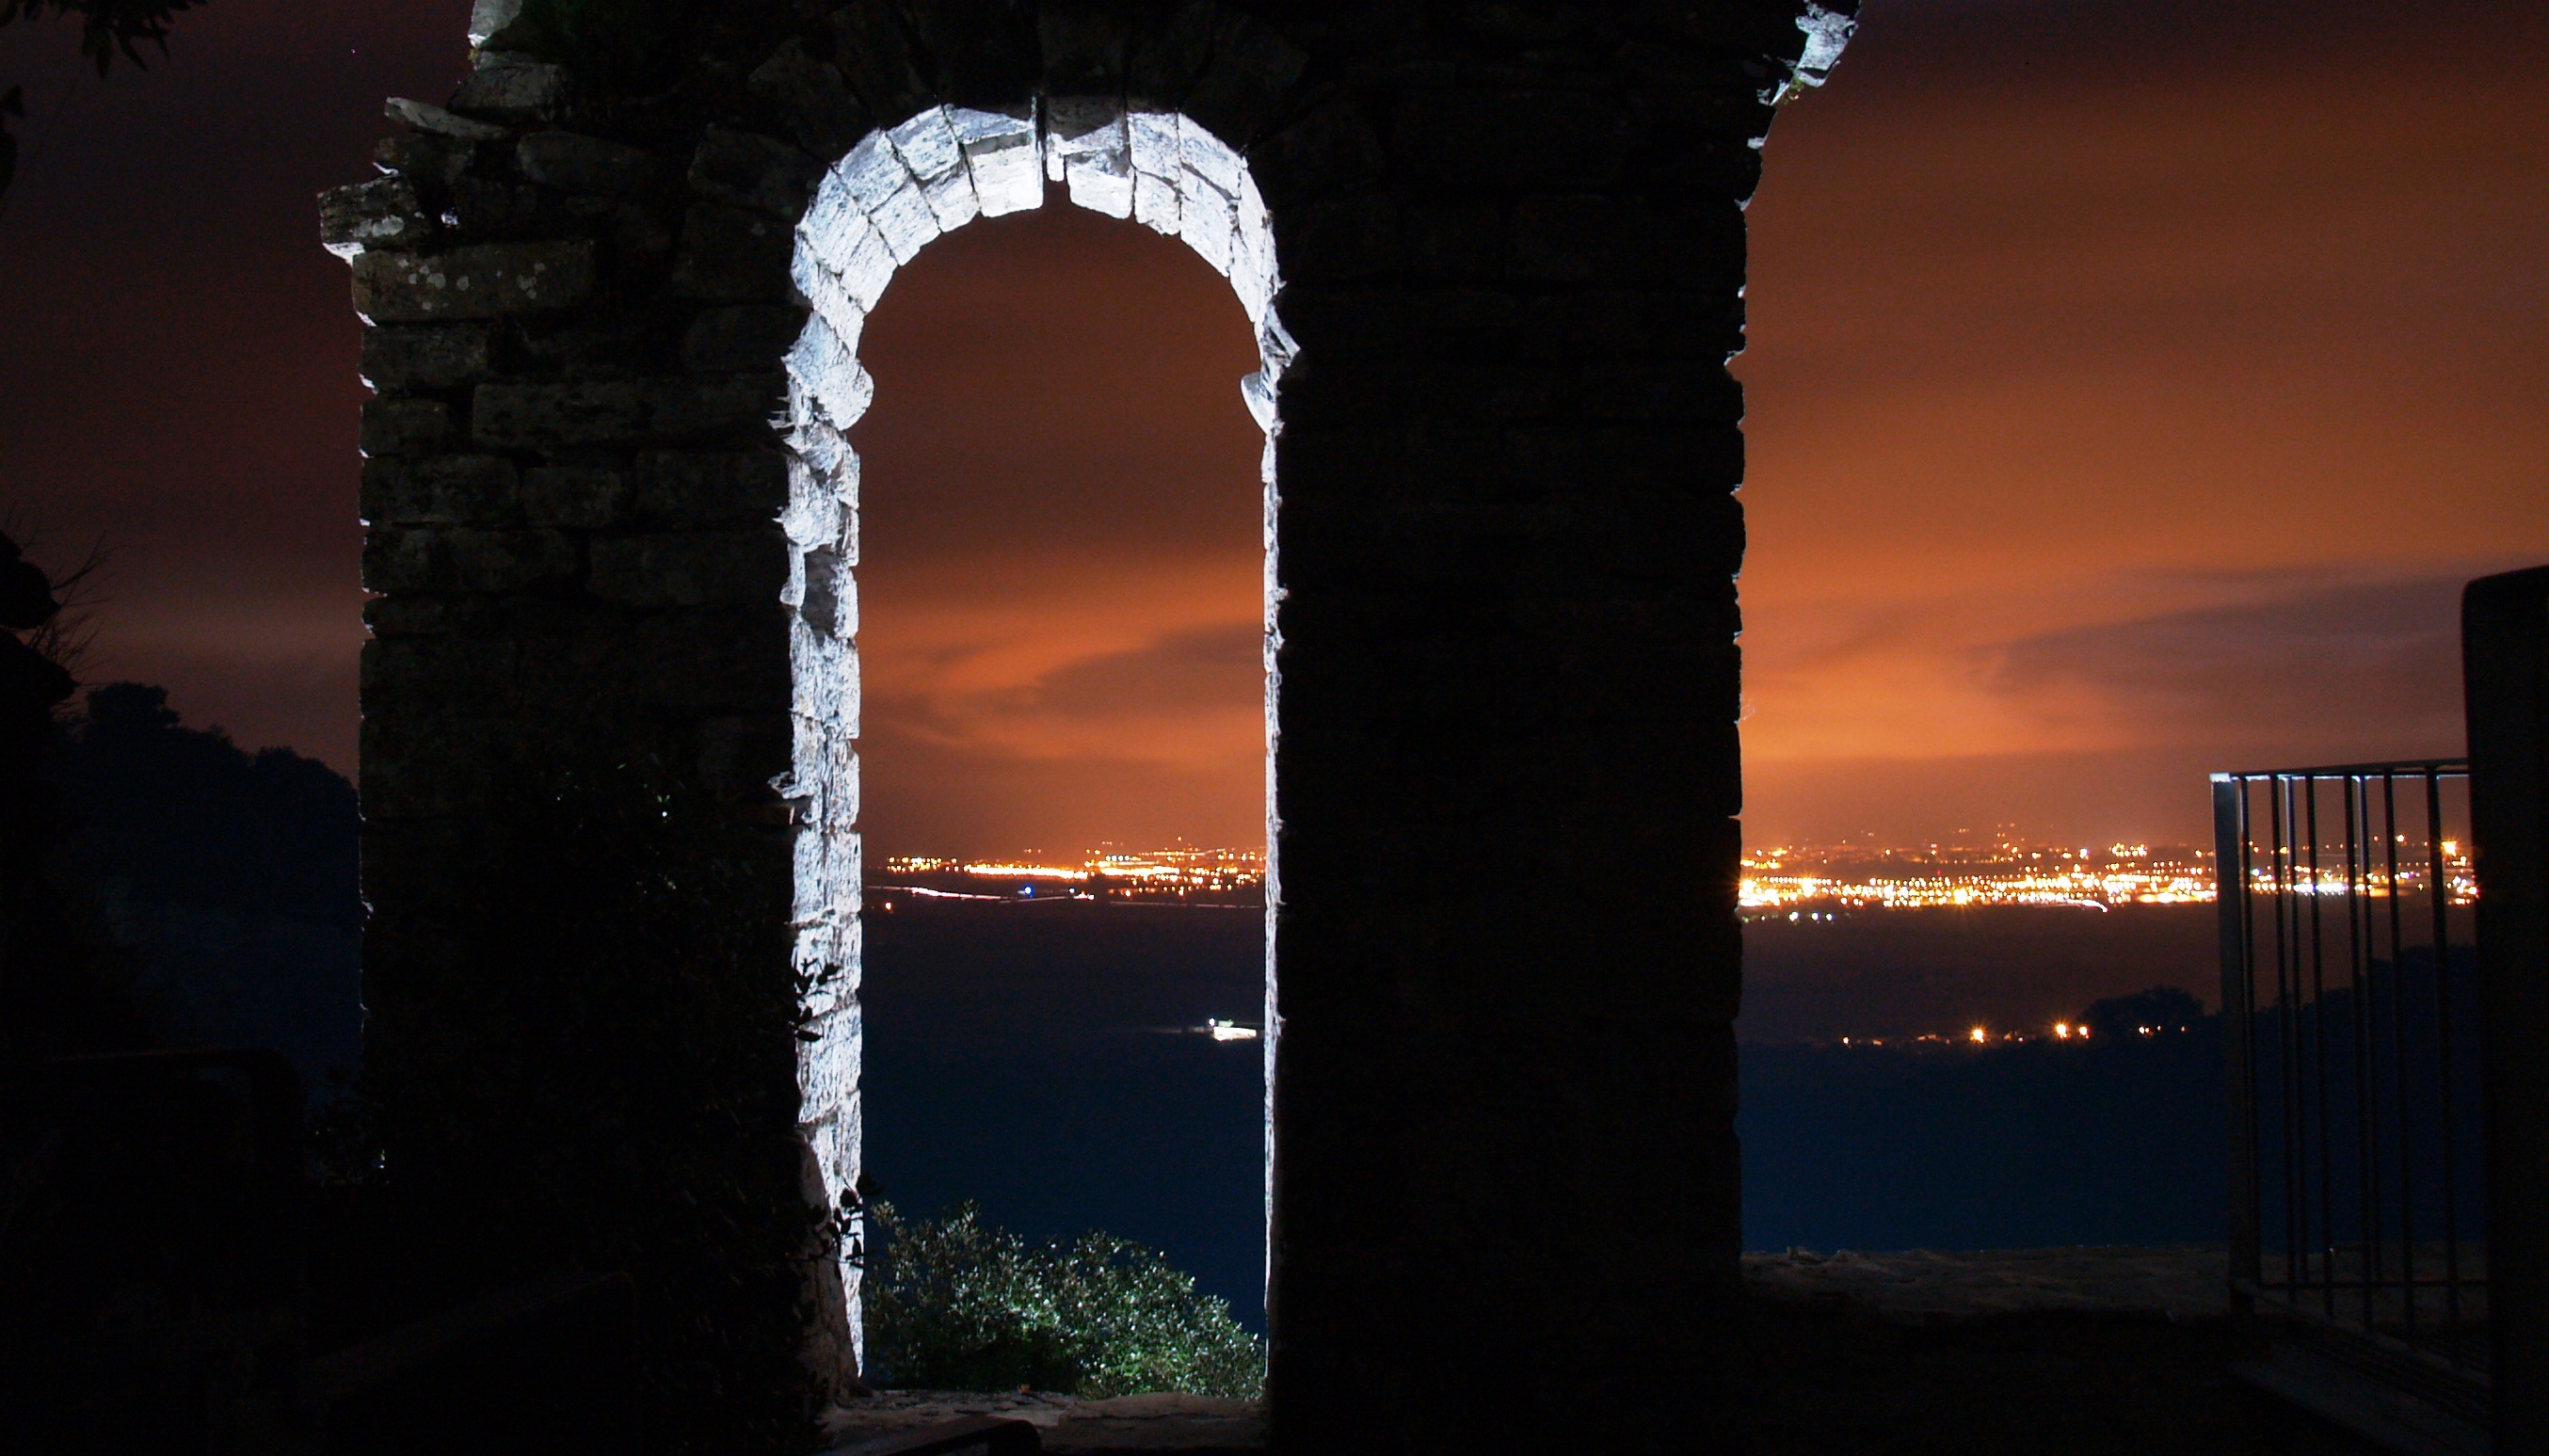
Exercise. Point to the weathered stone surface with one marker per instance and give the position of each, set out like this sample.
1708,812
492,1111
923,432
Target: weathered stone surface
456,675
620,410
482,282
423,115
384,213
425,357
572,163
584,498
448,559
513,93
811,100
397,427
429,614
690,568
1084,49
721,660
433,162
450,489
482,209
746,170
1246,85
491,20
747,338
874,49
711,488
1506,250
729,255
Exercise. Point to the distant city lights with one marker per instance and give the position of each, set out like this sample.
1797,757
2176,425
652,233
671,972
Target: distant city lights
1181,874
2007,872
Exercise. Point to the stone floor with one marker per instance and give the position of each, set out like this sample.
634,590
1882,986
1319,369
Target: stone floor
2030,1353
1193,1424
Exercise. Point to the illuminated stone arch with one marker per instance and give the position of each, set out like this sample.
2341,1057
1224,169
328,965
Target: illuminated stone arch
873,212
1504,1195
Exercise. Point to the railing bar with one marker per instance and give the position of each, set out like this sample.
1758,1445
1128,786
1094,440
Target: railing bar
2449,767
2234,858
2319,1057
2398,1040
2367,1168
2439,893
2279,809
2249,991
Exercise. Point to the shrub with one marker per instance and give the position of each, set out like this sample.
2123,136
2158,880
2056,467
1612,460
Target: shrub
956,1304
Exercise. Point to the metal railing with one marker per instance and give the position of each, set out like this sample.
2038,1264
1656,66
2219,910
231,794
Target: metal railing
2350,992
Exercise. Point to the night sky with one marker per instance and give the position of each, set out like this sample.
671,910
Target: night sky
2132,384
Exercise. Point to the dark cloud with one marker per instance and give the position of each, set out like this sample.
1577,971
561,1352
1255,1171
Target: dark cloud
2350,669
1209,668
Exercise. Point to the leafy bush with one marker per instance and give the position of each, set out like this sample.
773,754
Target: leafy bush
956,1304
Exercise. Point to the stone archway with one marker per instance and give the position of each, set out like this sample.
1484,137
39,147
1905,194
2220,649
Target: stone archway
1504,1207
897,189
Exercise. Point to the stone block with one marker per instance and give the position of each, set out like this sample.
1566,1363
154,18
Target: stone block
690,568
1471,140
486,281
729,660
491,20
572,163
1329,149
489,208
582,497
1169,57
759,173
1084,45
1628,240
733,255
683,487
449,490
981,53
429,614
401,427
427,357
384,213
876,56
748,338
1246,84
1349,238
426,117
526,92
811,100
447,675
1002,157
462,559
542,416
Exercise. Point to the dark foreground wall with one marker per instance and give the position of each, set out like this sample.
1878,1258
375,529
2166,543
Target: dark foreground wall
1509,248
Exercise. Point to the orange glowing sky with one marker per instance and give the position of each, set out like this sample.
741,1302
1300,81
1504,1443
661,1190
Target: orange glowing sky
2130,386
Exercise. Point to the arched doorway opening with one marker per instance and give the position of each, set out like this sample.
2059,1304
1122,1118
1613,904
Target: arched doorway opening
896,191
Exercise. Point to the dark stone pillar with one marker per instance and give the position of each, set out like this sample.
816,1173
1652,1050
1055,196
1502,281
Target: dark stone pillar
2504,642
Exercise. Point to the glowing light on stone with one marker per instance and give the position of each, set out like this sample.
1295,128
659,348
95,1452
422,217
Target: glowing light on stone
874,211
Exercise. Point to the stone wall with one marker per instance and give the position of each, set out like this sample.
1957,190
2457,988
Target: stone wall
614,340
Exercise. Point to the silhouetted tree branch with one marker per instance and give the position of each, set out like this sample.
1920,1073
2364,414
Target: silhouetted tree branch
108,28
